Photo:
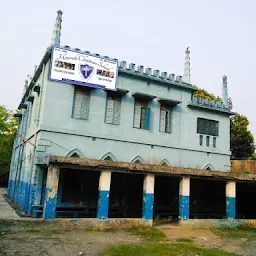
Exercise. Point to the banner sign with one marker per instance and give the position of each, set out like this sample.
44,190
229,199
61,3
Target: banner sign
73,67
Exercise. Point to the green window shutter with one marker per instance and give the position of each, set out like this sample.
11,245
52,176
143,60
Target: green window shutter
162,120
117,111
137,116
147,119
109,110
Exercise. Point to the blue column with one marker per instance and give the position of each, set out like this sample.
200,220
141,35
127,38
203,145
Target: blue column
184,198
231,200
51,192
148,198
104,190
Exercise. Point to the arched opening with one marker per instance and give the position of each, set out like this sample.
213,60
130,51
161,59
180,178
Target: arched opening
164,162
208,167
108,156
75,153
137,160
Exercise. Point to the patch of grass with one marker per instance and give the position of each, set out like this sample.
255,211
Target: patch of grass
2,251
33,231
237,233
157,249
184,240
147,233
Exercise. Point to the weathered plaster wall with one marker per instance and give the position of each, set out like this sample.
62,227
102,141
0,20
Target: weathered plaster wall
243,166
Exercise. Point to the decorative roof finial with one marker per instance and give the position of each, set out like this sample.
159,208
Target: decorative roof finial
186,74
57,29
225,91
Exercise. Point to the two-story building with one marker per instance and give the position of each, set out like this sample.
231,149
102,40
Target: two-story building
121,147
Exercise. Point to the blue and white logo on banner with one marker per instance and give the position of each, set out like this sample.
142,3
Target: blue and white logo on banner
86,70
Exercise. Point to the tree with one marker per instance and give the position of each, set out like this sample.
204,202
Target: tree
241,141
8,126
205,95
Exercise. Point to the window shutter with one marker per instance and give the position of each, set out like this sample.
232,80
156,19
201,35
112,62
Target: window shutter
85,105
162,120
81,104
77,103
109,110
117,111
169,122
137,116
147,119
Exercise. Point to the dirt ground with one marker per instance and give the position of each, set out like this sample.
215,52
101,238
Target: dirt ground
51,243
91,243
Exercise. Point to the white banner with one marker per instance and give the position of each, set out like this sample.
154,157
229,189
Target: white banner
73,67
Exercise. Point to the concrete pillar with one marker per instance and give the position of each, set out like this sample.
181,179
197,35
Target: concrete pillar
231,199
104,189
51,192
148,198
184,198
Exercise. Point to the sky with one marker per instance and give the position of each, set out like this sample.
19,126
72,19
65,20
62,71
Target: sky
220,33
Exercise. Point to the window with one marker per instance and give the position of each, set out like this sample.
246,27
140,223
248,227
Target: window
201,140
207,141
141,115
81,103
113,110
165,119
208,127
214,142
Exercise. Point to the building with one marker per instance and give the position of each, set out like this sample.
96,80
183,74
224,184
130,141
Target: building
125,152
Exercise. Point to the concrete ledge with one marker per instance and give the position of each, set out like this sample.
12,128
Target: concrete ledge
97,165
209,223
69,224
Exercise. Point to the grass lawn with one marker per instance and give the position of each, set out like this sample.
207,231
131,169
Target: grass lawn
154,243
238,233
163,249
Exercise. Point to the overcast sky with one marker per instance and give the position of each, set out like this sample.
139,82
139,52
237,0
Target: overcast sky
220,33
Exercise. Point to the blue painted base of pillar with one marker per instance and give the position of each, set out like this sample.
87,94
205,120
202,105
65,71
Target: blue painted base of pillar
103,202
10,192
230,207
148,204
50,206
184,207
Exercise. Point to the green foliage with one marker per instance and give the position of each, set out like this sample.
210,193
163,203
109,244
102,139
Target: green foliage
243,232
205,95
148,233
163,249
8,126
210,96
241,141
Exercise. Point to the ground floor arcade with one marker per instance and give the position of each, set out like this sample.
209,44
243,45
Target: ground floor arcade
104,189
